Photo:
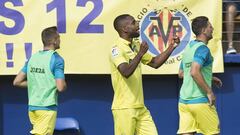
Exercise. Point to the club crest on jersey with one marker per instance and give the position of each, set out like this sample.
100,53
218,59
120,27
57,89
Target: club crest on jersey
158,27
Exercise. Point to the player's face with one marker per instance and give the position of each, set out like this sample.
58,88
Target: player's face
209,31
132,27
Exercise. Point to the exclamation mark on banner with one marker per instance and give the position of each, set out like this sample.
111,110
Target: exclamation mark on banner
9,49
28,50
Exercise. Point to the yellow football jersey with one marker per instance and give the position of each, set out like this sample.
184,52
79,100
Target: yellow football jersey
128,92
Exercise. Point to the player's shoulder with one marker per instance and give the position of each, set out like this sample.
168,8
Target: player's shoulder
56,54
116,47
115,51
202,51
200,46
203,48
58,57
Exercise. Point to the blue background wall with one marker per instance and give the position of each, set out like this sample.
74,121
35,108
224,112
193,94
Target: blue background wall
88,99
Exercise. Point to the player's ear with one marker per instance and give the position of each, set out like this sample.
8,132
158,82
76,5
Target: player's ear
203,30
124,29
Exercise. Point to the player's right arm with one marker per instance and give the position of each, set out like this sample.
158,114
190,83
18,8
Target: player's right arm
158,60
58,72
200,56
127,69
198,78
21,78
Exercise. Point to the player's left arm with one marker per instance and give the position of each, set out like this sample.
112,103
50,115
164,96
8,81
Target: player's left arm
158,60
20,80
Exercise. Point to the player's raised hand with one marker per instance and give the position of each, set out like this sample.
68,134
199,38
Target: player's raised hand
174,42
143,48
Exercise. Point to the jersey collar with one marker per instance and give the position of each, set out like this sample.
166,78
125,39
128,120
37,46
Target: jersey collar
124,41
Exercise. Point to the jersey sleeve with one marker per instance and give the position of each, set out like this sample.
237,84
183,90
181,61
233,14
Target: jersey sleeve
201,55
24,69
58,66
181,66
117,57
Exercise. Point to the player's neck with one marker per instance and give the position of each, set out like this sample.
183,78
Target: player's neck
49,48
126,37
202,39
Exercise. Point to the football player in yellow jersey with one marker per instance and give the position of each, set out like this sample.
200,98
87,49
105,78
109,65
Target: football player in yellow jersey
131,117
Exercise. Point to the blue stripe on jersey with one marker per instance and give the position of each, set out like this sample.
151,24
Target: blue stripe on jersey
194,101
202,56
181,65
58,66
33,108
24,69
